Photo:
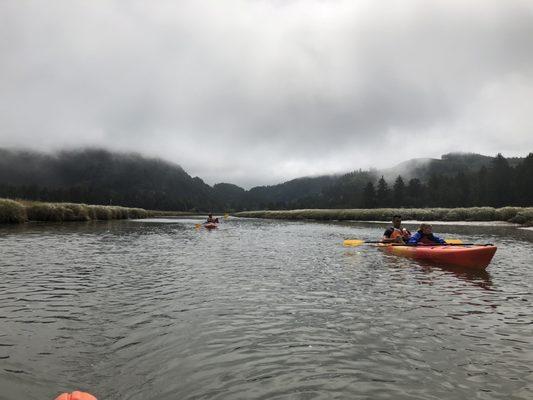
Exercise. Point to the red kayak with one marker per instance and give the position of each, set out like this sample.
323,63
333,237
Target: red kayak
211,225
476,256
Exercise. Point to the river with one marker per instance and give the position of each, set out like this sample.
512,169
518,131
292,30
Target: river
258,309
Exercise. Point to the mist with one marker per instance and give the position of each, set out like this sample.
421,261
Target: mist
259,92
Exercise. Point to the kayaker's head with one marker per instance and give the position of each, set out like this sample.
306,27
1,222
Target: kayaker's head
426,229
397,221
210,215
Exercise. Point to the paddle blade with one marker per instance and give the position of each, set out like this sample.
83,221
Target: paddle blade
198,226
226,216
454,241
353,242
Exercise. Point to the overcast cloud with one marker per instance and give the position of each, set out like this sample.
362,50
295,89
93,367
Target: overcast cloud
257,91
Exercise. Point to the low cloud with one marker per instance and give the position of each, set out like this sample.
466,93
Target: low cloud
256,92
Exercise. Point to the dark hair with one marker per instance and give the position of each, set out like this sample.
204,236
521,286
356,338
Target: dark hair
397,216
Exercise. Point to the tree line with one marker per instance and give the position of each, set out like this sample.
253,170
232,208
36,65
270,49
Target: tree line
497,185
101,177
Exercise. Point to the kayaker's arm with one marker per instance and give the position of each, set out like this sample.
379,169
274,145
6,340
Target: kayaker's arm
439,240
387,236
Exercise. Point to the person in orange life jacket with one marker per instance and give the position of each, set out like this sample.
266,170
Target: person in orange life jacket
396,234
425,236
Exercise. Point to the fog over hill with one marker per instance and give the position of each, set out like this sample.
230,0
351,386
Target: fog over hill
265,91
99,176
448,164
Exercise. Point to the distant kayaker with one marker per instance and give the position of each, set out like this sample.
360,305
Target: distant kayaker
425,235
211,220
396,233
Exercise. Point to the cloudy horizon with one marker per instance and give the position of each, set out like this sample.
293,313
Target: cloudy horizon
260,92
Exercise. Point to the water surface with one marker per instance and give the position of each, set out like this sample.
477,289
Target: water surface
258,310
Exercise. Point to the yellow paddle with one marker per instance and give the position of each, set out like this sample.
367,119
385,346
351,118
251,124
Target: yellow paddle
356,242
454,241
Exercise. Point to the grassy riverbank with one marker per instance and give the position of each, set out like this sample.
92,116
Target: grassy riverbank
520,215
20,211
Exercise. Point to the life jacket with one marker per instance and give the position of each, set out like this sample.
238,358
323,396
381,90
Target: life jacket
403,233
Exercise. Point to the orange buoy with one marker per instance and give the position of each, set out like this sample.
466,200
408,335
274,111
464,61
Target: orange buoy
76,396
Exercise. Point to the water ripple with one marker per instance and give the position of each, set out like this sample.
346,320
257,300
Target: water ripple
257,310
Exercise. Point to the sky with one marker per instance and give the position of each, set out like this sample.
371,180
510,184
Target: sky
258,92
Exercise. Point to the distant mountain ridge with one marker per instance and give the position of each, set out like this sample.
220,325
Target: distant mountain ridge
345,190
99,176
448,164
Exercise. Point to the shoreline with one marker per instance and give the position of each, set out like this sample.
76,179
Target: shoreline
24,211
455,223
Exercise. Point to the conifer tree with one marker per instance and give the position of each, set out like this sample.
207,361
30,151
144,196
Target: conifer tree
399,192
499,183
415,193
369,196
480,194
524,182
383,193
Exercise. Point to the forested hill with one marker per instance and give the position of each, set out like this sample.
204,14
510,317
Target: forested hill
449,164
101,177
454,180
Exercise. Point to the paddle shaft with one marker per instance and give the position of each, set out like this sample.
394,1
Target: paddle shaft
429,244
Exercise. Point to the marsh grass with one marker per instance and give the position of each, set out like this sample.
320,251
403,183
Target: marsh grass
12,212
138,213
524,217
18,211
101,213
44,212
519,215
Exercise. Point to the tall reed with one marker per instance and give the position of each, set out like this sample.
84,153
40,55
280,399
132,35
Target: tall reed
18,211
521,215
12,212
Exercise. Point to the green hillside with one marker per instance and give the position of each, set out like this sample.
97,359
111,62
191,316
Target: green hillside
97,176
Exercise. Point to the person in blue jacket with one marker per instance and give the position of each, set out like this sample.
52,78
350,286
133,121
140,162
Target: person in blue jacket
425,235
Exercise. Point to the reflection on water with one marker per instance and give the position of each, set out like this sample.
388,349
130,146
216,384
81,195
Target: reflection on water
478,277
258,309
481,278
